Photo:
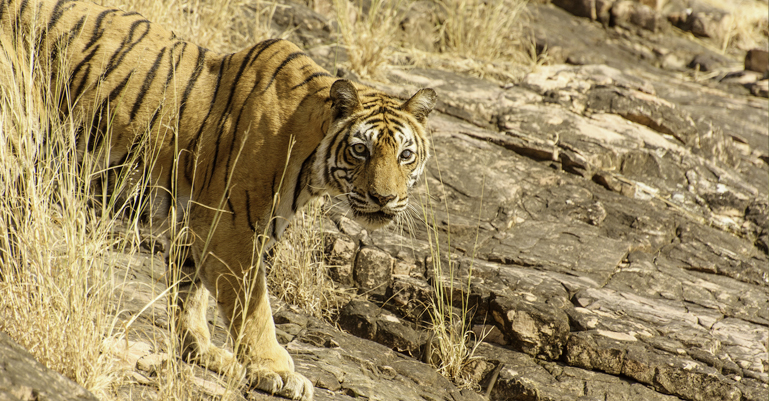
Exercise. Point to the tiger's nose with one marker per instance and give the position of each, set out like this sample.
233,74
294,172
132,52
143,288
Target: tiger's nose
381,200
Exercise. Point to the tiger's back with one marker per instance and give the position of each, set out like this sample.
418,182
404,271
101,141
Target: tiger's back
185,102
239,141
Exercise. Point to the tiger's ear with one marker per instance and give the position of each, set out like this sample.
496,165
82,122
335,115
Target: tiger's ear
344,99
421,104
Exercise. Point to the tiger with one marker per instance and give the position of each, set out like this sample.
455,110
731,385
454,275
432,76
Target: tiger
239,143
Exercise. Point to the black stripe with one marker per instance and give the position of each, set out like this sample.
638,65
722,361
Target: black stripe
303,179
96,35
123,50
91,142
191,83
287,60
381,110
134,145
311,78
227,111
248,212
56,14
95,139
84,62
155,115
398,124
181,54
203,123
264,45
232,208
75,32
79,90
2,9
17,23
146,84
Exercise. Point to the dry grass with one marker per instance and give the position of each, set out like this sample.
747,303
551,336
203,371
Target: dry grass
369,35
480,29
53,248
211,24
745,27
484,38
748,28
479,37
453,342
299,275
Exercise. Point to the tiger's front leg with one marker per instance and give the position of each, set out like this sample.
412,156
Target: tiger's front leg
269,367
242,297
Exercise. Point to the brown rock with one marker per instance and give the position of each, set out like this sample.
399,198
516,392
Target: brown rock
340,254
373,271
757,60
627,12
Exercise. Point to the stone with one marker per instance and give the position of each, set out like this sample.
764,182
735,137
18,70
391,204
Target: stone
339,256
626,12
580,8
411,296
757,60
369,321
760,88
373,271
152,364
706,62
24,378
535,328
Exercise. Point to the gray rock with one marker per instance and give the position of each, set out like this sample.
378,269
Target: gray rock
23,378
535,328
370,322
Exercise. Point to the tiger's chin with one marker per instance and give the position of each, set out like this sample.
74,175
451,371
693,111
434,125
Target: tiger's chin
373,220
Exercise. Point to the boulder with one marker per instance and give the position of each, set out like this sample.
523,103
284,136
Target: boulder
25,379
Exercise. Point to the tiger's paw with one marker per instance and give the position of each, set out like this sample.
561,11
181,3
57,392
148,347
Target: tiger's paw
285,384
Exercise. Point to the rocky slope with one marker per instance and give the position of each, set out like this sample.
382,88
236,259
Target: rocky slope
607,219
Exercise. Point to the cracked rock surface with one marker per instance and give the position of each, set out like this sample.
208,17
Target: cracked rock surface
607,222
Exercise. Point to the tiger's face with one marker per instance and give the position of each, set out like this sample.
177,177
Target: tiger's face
379,151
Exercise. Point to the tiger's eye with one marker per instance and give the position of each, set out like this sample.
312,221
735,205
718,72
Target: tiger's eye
359,149
406,154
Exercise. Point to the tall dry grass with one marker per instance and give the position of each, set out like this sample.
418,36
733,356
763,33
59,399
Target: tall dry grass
453,342
223,26
55,251
745,27
299,275
369,34
479,37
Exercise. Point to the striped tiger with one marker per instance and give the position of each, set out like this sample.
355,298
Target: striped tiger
237,142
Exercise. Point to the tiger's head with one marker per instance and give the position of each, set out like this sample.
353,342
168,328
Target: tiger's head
376,150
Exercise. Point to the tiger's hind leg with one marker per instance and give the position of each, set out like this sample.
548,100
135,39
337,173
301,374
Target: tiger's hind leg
192,330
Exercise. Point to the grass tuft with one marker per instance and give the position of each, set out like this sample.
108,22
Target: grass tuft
299,275
369,35
453,342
